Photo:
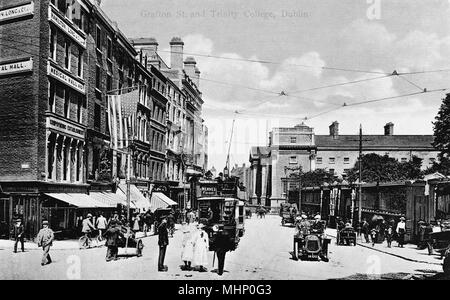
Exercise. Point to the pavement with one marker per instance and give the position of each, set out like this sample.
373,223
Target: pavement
410,252
57,245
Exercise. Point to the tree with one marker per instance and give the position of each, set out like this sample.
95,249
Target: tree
377,168
442,138
442,129
316,178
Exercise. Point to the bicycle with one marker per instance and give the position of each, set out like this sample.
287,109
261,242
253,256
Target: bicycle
87,242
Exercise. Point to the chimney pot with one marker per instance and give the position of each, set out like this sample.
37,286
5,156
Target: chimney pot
389,129
334,129
176,53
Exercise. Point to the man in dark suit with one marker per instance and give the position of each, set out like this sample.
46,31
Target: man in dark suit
18,233
222,245
112,236
163,241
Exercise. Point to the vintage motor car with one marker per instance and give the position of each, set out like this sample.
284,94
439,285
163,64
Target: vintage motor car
311,245
288,212
346,236
441,244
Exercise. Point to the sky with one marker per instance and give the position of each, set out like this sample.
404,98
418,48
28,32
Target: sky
301,45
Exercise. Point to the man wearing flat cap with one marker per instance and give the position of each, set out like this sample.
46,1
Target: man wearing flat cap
45,239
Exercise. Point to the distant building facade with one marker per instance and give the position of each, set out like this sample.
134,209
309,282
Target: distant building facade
292,149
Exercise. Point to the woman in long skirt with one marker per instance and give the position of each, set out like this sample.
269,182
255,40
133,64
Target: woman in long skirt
187,254
201,248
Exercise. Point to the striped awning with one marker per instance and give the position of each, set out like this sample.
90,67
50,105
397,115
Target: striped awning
136,197
110,199
159,200
77,200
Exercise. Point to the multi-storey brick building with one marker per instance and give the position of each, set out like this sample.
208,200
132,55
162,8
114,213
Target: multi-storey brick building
59,61
298,148
186,136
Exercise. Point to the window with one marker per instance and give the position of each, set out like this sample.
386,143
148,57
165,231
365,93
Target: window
293,140
108,83
346,160
97,116
293,160
79,109
332,160
62,6
67,54
99,38
332,171
66,104
98,73
53,39
109,49
51,96
80,62
319,160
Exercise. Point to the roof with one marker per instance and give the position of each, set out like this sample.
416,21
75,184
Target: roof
144,41
259,151
376,142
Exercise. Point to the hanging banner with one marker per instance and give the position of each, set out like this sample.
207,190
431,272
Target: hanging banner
20,11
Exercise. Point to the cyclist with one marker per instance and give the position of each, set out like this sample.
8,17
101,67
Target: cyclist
88,227
101,224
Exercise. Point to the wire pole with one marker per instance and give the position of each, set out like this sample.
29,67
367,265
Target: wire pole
360,175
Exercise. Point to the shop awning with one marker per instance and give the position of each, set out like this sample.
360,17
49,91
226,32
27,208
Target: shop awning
159,200
78,200
110,199
136,196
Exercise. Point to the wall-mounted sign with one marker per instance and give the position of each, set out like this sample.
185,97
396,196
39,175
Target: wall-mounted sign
15,12
66,79
13,67
66,27
65,127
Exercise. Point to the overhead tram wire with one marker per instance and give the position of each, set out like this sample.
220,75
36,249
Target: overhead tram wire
275,63
425,91
269,62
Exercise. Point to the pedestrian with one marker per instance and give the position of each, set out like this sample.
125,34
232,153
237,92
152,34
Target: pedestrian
18,233
374,234
222,247
45,239
401,231
201,248
88,226
101,225
389,234
187,254
112,235
163,242
136,221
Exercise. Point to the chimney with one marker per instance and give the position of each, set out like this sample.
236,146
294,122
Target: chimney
389,129
197,77
176,53
148,47
189,67
334,129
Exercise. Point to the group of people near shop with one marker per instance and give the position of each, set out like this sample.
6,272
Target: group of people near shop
380,230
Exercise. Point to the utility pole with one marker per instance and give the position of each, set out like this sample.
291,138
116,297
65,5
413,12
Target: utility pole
360,175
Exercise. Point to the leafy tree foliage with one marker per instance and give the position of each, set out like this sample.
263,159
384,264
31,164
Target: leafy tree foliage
442,138
377,168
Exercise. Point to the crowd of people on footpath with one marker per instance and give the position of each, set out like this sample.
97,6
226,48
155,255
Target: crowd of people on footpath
380,230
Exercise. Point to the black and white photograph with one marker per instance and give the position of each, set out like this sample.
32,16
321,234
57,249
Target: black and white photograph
225,141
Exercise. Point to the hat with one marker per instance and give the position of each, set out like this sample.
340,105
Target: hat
304,216
44,222
317,217
298,218
89,215
402,219
200,226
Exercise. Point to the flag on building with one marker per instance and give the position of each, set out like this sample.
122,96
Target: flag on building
122,111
